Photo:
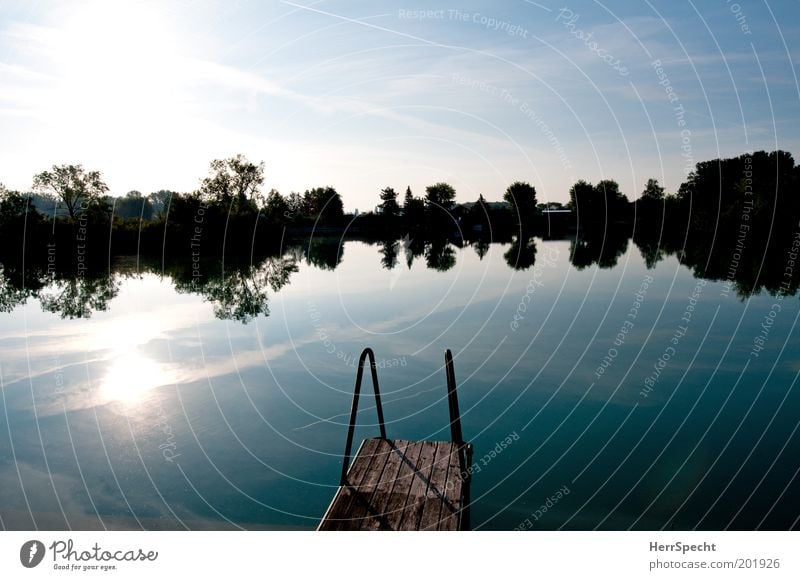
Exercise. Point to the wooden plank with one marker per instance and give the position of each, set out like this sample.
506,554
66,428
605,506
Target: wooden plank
450,517
373,517
398,496
361,508
343,495
419,487
366,467
436,488
401,485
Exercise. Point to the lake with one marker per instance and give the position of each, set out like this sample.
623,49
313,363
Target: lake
619,397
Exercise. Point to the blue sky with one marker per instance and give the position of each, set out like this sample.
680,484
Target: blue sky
361,95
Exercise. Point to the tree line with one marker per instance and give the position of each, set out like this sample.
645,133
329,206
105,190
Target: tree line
750,199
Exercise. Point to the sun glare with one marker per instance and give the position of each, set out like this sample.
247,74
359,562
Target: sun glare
131,376
117,64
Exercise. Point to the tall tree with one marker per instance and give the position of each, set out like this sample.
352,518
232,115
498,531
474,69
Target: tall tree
413,210
235,180
276,207
389,206
160,201
440,195
134,206
652,190
521,196
72,185
323,202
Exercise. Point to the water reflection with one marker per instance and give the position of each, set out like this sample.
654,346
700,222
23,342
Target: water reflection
131,376
177,418
241,291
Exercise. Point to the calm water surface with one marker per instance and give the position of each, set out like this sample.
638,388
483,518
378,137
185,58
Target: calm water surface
626,397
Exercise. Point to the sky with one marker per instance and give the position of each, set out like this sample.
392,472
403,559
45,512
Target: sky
364,95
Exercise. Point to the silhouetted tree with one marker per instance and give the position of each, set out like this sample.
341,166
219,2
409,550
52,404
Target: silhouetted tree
234,183
521,196
440,195
652,190
389,207
75,187
409,197
160,201
296,205
276,207
133,206
413,211
439,199
323,203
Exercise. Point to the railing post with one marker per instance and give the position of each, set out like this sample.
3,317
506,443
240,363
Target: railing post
452,400
354,408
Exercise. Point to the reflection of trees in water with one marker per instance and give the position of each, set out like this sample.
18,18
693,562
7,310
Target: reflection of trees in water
242,293
521,255
13,292
601,248
481,247
325,253
389,254
79,296
440,256
64,293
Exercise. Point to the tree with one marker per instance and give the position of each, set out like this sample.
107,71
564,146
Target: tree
160,201
323,202
653,191
581,194
77,188
521,196
276,207
616,203
440,195
388,205
13,205
413,211
408,200
234,182
134,206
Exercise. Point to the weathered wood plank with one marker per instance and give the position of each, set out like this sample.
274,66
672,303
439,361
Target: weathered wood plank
435,494
398,496
450,516
362,477
419,486
377,505
400,485
363,506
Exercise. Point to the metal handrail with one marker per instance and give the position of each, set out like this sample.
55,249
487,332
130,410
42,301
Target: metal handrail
464,450
452,400
354,409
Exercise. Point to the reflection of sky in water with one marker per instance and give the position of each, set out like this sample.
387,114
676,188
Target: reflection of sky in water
156,414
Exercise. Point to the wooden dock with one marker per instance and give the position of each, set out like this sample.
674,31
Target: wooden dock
399,484
403,485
